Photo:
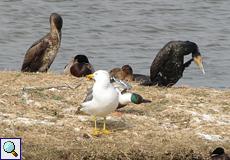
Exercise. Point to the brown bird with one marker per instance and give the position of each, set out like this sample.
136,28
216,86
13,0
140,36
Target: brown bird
219,154
42,53
124,73
79,67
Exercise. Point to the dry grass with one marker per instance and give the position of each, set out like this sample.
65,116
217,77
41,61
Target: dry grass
180,123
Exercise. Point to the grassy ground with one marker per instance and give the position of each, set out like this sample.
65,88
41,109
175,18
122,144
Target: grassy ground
179,123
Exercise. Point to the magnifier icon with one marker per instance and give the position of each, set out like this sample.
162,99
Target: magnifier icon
9,147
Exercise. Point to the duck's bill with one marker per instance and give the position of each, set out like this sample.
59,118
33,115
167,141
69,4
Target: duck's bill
145,101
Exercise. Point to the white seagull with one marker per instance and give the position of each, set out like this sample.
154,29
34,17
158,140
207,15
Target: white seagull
101,100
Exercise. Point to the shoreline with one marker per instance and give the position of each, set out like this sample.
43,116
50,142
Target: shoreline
180,122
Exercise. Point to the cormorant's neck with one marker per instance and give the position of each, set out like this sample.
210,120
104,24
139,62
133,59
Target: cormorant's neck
55,33
194,49
187,47
53,28
196,54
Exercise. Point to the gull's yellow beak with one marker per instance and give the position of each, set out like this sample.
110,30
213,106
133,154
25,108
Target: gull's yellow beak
198,60
90,76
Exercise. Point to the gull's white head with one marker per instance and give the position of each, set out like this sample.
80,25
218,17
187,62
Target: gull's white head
100,75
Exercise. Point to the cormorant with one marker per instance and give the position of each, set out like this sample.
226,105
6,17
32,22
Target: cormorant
42,53
219,154
124,73
79,67
168,66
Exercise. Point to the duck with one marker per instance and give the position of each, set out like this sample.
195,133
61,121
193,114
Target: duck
168,66
219,154
123,73
101,100
42,53
126,97
79,67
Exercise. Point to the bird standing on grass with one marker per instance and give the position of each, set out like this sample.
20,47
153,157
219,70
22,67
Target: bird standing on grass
101,100
219,154
42,53
79,67
126,97
168,66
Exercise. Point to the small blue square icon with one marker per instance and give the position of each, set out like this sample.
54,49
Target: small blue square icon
10,148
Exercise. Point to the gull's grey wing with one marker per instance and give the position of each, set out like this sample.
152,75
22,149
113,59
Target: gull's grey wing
89,96
120,85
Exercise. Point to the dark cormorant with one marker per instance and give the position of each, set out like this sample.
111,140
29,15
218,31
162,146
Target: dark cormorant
219,154
168,66
42,53
79,67
124,73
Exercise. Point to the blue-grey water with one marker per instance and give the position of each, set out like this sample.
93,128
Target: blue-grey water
113,33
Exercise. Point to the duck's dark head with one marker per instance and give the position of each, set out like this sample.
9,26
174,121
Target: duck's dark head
81,58
137,99
56,20
218,151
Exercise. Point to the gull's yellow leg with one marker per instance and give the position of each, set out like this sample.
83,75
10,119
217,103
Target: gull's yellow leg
96,132
104,130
